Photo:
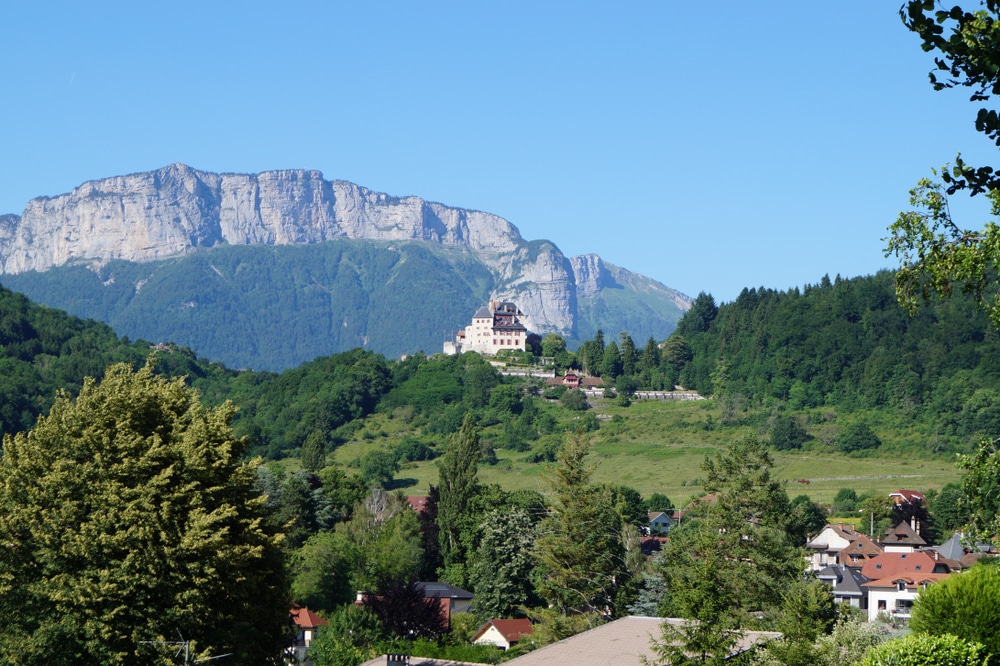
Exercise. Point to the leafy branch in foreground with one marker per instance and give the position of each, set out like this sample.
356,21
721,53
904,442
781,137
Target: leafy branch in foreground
937,256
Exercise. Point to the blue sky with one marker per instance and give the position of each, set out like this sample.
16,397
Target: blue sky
711,146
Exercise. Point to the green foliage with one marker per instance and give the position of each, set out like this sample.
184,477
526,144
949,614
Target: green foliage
699,317
788,433
947,509
734,563
378,468
965,605
500,570
128,517
353,637
574,399
857,436
276,307
923,650
553,345
844,501
458,483
980,485
579,549
314,452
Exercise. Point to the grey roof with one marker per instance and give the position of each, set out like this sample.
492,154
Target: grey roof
952,549
434,590
482,313
624,642
846,581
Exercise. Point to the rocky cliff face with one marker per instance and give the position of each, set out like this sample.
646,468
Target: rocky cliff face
176,210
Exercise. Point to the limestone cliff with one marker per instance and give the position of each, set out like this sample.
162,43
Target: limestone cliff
177,210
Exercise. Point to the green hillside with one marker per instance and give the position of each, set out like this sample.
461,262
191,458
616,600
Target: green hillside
275,307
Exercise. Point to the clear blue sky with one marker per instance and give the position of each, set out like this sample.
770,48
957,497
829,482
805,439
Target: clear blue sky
711,146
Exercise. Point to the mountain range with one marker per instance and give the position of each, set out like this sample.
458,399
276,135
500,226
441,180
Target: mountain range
269,270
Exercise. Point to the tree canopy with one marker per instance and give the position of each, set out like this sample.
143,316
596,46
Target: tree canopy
127,518
938,254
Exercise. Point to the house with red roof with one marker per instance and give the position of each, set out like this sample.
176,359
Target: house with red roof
502,633
903,496
894,595
307,627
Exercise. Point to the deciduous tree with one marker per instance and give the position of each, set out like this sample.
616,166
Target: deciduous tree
126,516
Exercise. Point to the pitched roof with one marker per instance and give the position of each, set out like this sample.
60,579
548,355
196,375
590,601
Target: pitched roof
435,590
897,564
912,581
417,502
482,313
623,642
305,618
846,581
512,630
951,549
859,551
903,535
907,496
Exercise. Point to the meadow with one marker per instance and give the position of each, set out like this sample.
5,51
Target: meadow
659,447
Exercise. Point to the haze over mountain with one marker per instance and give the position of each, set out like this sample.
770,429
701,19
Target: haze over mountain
268,270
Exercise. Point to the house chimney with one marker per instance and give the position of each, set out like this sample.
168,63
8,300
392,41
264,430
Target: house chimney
913,523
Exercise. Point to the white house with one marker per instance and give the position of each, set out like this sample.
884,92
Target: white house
659,522
307,627
894,596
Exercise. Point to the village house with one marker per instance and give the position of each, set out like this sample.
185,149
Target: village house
840,544
659,522
307,626
494,328
894,595
502,633
903,538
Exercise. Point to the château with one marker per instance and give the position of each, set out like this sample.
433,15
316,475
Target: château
495,327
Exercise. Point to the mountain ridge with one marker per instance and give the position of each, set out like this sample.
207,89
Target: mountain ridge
176,211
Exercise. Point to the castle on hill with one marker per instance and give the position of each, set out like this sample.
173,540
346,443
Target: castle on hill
494,327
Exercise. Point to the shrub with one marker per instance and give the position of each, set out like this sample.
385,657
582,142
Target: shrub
966,605
924,650
857,437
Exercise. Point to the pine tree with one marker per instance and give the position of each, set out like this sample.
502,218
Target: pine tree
630,355
611,365
650,359
314,451
579,549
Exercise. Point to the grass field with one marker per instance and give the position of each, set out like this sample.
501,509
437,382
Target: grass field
660,447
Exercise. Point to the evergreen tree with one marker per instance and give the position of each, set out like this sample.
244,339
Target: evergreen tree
579,548
629,354
127,516
732,565
611,364
650,359
314,452
699,317
459,471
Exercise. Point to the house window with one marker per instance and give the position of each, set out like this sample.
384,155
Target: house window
904,605
901,586
881,604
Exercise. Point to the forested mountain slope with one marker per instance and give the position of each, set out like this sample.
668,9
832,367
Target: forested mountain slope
848,343
43,350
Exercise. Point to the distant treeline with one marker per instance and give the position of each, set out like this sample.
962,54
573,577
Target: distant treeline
848,343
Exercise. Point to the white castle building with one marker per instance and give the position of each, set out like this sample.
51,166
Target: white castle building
494,327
